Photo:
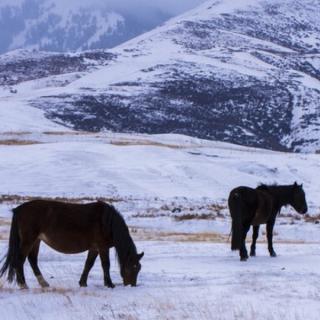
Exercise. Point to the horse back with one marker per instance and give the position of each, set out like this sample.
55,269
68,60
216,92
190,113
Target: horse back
245,194
44,211
58,223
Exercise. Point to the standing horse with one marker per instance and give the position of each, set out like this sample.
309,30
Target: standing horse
260,206
70,228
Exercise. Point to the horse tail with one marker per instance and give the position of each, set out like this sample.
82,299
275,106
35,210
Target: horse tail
235,207
13,253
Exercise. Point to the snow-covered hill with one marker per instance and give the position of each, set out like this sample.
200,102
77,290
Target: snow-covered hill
245,72
70,164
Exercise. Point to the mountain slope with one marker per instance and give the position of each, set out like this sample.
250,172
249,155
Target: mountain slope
244,72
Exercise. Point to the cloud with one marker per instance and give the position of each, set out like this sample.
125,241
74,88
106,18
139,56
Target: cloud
171,7
176,6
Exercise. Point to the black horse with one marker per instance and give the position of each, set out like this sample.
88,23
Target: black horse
250,206
70,228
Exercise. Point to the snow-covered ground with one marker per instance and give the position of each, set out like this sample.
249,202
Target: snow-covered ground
179,280
164,166
172,191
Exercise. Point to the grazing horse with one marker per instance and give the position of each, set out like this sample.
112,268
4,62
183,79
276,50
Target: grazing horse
70,228
250,206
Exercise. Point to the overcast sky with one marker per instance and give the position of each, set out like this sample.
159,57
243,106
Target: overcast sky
170,6
30,24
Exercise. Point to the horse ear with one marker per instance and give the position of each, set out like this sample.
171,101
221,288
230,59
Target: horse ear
295,184
140,255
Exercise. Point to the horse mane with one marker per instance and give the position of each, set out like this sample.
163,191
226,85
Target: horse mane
122,240
263,186
281,193
273,187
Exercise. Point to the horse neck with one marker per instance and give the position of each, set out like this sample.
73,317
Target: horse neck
122,240
282,194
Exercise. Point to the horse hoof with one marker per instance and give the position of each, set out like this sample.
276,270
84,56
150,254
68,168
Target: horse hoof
243,258
83,285
252,254
23,286
273,254
110,285
43,283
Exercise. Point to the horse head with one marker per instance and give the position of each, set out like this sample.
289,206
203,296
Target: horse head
298,201
131,268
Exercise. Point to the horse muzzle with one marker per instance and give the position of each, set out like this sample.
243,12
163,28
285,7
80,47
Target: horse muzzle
132,284
304,210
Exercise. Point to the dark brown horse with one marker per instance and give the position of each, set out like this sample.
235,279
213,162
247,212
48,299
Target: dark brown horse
70,228
250,206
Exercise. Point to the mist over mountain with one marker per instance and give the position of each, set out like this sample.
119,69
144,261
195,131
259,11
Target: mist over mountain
56,25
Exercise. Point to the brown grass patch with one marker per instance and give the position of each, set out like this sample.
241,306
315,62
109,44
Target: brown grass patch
154,235
13,198
296,217
17,142
16,133
190,216
4,236
313,219
4,222
4,228
213,237
124,143
181,213
66,133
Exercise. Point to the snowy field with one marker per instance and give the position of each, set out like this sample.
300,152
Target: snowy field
161,166
172,191
179,280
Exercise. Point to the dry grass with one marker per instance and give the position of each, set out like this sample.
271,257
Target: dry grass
181,213
306,217
68,133
4,228
4,222
313,219
154,235
16,133
13,198
124,143
4,236
17,142
192,216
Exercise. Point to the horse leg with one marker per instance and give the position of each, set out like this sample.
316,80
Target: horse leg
270,225
24,251
21,280
33,260
91,258
255,235
105,262
243,250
